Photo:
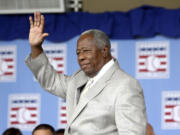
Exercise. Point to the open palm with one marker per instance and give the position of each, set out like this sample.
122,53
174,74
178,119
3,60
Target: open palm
36,33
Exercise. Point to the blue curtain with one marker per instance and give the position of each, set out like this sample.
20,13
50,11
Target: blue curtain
144,22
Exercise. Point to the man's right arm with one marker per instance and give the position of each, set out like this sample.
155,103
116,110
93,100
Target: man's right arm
47,76
38,62
36,34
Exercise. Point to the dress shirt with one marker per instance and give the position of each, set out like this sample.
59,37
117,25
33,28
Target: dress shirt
103,70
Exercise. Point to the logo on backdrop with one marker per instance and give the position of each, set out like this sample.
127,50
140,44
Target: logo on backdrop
171,110
152,59
24,111
62,114
7,63
57,56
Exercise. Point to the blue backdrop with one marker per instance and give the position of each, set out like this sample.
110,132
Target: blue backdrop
153,88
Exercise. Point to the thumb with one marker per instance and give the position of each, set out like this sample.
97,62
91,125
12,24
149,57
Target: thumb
45,35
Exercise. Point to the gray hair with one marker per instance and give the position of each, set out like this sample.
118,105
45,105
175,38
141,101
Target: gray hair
99,37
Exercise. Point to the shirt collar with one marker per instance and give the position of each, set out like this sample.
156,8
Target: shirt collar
103,71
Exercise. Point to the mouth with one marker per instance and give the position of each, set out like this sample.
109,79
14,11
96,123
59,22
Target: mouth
83,66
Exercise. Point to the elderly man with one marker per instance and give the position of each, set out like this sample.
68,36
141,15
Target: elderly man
101,98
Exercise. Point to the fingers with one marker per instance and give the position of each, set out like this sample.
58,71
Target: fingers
37,18
31,22
38,23
42,22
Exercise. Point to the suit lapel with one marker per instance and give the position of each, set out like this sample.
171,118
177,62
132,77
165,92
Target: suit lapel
92,92
81,81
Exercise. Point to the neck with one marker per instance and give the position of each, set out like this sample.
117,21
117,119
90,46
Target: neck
105,62
108,59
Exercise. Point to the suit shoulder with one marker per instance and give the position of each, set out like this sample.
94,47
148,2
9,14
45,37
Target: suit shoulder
122,78
122,75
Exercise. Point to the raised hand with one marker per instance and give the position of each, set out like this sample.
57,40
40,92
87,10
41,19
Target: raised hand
36,34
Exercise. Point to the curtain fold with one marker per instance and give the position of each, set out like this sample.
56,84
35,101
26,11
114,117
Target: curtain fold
145,21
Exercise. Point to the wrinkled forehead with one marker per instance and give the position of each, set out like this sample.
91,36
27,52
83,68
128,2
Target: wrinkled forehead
86,36
86,40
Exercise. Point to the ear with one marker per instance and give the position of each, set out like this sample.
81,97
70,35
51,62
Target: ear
105,51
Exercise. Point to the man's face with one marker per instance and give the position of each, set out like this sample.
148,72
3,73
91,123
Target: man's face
90,57
42,132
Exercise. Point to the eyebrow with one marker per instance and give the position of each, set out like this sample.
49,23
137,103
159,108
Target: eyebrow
83,48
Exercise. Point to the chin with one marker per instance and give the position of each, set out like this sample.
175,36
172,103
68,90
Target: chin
87,73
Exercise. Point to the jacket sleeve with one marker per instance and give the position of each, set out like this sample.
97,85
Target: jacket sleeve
46,75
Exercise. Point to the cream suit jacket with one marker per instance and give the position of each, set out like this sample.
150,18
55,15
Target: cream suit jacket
113,106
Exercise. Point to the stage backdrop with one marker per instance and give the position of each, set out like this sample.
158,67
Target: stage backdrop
153,61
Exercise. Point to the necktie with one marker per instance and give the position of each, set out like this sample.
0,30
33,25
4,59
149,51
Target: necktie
88,85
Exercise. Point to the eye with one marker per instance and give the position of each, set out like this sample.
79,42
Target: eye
86,50
77,52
